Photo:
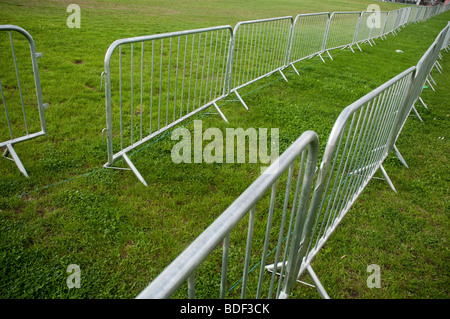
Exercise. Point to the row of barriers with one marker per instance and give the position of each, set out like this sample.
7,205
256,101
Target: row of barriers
293,226
161,80
153,83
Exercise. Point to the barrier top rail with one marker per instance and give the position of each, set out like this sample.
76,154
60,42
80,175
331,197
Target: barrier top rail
186,263
116,43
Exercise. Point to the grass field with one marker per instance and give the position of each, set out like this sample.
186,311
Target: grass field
72,211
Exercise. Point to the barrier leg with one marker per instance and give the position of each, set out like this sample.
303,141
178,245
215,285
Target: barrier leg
241,100
295,69
400,157
359,47
282,74
133,168
320,289
417,113
432,80
320,55
220,112
438,67
429,83
15,158
386,177
423,103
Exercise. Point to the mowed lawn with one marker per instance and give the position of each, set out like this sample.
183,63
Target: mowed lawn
73,211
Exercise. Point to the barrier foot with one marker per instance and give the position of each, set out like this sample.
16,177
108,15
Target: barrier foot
283,295
329,55
133,168
359,47
386,177
220,112
438,67
320,56
15,159
423,103
429,83
282,74
241,100
320,289
400,157
295,69
417,113
432,80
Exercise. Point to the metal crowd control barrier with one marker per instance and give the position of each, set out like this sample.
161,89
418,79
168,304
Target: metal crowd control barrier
259,49
341,31
398,19
364,28
379,26
281,229
16,87
413,14
371,25
424,67
390,23
446,42
178,74
308,33
359,142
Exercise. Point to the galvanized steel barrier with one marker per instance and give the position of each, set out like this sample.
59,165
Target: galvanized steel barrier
379,25
282,225
260,48
20,88
371,25
390,22
161,80
424,68
308,33
341,31
359,142
364,28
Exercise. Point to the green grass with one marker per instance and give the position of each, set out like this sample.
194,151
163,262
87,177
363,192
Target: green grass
122,234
